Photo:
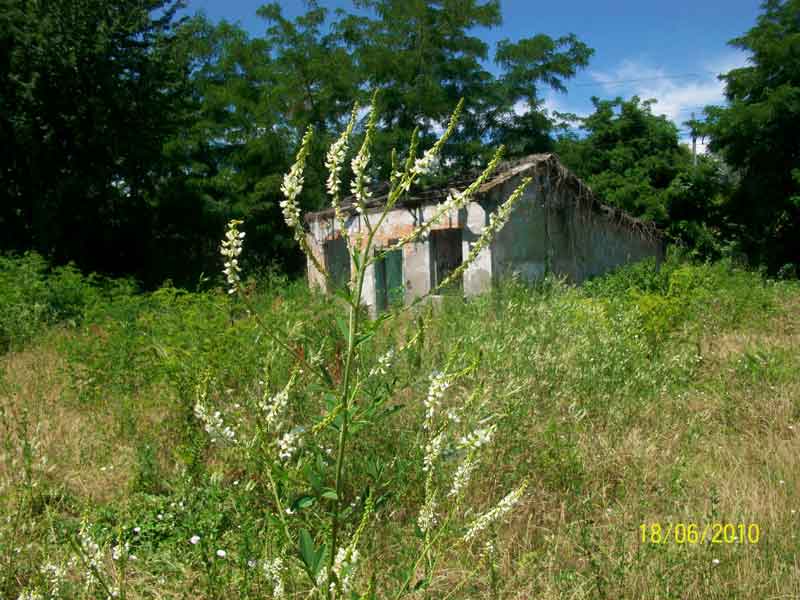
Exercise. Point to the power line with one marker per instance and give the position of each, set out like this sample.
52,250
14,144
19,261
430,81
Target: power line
640,79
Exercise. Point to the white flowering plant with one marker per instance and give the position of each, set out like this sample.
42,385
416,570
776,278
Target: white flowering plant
322,532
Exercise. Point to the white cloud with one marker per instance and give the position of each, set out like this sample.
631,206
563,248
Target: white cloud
677,95
556,102
521,107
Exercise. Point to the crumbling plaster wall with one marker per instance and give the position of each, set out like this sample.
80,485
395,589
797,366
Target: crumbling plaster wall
400,222
478,275
551,229
520,246
587,241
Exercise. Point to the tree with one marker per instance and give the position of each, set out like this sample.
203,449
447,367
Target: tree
90,90
227,162
424,57
129,136
696,202
529,64
758,133
315,75
627,155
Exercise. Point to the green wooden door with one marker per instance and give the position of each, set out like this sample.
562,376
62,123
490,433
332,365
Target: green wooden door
389,288
394,277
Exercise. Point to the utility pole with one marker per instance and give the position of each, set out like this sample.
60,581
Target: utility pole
694,143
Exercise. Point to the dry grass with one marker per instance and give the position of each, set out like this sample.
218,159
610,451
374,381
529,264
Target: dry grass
721,449
76,447
688,460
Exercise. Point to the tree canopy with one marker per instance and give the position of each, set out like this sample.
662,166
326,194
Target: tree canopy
130,135
89,90
627,155
758,133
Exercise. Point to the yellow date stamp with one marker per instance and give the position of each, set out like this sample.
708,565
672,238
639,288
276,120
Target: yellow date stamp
699,533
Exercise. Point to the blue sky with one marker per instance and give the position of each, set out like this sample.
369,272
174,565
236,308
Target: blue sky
668,50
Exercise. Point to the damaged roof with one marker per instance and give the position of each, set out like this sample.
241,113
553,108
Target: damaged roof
543,167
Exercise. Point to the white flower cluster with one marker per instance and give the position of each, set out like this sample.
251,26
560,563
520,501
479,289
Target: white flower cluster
384,363
433,449
462,476
121,551
424,164
91,554
471,442
291,188
274,406
477,438
438,386
401,182
289,443
214,425
498,512
231,250
427,515
333,162
344,566
273,571
55,576
453,416
358,186
293,185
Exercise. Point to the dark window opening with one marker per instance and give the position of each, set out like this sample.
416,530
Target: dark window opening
337,261
446,257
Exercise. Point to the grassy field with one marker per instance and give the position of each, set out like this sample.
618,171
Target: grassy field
665,398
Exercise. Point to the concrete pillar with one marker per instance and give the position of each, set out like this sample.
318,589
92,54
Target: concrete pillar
417,269
478,275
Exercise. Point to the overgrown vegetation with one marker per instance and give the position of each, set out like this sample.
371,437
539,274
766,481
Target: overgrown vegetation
264,441
646,396
177,125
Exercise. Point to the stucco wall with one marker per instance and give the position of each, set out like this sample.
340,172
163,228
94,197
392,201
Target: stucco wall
478,275
519,248
587,243
545,231
399,222
550,231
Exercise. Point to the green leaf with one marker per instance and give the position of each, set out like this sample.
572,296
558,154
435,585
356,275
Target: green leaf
303,502
344,294
360,339
344,328
374,468
312,557
330,495
389,411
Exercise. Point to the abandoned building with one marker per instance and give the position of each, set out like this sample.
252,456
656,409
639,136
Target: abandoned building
558,226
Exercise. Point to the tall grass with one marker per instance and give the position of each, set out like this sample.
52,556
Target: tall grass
694,421
274,442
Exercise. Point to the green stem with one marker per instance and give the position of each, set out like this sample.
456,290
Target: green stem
281,514
428,544
82,555
345,401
